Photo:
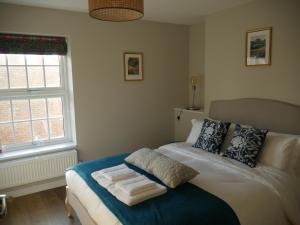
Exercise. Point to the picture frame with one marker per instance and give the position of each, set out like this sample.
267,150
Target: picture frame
133,66
259,47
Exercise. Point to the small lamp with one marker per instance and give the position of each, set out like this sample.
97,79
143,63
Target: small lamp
194,81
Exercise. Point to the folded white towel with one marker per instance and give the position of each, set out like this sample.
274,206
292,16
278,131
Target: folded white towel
131,180
121,174
110,169
127,185
135,185
133,200
109,176
104,182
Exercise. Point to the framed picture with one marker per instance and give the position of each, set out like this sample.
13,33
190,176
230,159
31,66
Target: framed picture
258,47
133,66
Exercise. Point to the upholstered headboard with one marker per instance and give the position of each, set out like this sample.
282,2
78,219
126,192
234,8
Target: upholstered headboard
277,116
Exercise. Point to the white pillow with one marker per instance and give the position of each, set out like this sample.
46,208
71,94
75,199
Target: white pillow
280,150
294,165
195,131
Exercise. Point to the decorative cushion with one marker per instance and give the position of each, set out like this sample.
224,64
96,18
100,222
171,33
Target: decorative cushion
142,158
227,139
172,173
246,144
195,131
212,135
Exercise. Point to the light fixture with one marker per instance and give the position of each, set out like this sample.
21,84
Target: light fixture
116,10
194,82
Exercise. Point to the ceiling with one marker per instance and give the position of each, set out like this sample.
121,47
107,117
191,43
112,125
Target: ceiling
169,11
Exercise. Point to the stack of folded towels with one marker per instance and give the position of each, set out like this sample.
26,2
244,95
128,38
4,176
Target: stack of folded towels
127,185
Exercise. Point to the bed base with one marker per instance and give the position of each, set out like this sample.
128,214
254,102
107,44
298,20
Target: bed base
73,204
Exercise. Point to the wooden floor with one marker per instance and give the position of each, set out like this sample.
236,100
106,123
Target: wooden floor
43,208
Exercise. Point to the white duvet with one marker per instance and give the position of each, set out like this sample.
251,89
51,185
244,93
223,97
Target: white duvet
259,196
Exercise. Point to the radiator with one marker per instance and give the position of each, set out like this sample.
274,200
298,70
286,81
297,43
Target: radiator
38,168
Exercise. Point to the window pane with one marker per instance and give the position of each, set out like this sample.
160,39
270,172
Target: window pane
54,107
23,132
17,77
2,59
38,108
56,128
51,60
20,110
52,76
35,76
6,134
40,130
5,111
15,59
3,78
34,60
27,117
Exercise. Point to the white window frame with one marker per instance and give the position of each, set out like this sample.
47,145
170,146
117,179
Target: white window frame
65,91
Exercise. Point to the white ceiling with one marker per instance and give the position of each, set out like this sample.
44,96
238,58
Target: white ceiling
169,11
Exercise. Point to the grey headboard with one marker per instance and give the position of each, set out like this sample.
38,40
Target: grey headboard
277,116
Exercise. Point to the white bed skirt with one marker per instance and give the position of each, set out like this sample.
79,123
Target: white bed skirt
80,210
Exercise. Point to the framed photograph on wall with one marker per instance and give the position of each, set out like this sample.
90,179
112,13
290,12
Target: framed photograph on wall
259,47
133,66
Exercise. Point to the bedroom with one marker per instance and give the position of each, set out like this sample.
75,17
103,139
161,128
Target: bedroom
106,115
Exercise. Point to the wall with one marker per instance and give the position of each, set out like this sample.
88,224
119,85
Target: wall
196,61
114,116
183,125
226,76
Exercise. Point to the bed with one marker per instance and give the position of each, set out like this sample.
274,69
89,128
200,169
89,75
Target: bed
262,195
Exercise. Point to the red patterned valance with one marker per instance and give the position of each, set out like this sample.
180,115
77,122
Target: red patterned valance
32,44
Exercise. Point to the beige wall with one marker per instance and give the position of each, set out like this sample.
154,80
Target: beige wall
114,116
226,76
196,61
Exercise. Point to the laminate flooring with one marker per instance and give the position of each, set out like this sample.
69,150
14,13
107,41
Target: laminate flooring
43,208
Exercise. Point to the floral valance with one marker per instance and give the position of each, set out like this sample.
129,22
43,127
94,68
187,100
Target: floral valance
32,44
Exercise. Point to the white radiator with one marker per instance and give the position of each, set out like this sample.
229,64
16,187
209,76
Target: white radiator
38,168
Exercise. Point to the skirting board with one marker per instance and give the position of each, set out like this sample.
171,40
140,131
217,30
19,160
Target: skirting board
35,187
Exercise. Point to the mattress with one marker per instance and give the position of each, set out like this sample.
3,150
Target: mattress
260,196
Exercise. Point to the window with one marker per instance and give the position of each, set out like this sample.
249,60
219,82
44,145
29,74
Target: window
34,101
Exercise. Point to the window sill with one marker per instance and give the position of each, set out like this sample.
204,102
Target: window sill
13,155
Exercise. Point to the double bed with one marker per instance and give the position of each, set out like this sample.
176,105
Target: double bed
263,195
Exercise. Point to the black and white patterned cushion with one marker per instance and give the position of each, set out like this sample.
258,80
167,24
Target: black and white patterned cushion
246,144
212,135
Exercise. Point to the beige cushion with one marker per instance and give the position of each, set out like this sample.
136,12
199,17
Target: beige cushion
142,158
172,173
279,150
